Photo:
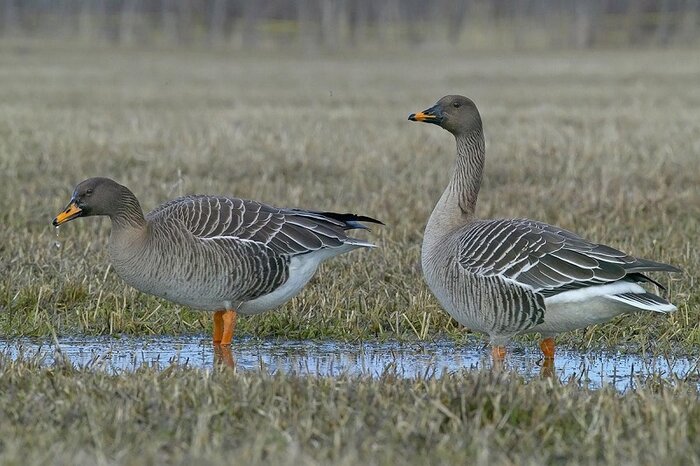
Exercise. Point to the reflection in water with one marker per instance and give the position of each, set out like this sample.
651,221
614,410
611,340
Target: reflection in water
224,355
547,368
330,358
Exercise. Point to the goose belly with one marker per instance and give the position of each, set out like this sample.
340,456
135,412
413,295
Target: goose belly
301,270
179,288
484,304
445,283
463,312
200,278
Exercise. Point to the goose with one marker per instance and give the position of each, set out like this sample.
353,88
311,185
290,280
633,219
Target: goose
215,253
506,277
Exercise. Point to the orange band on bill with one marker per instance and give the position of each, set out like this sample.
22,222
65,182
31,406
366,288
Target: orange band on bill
70,212
421,116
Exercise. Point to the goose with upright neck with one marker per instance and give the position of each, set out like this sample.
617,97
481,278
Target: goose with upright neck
506,277
215,253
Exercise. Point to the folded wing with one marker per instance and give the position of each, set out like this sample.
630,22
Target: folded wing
546,259
285,231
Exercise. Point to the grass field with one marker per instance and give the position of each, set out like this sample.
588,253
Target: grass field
602,143
60,415
605,144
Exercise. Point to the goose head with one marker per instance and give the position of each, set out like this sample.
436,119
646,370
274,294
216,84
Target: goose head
455,113
94,196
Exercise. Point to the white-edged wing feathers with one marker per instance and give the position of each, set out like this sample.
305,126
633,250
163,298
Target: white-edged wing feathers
284,231
546,259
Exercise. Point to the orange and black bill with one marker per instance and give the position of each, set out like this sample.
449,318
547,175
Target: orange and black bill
68,214
432,115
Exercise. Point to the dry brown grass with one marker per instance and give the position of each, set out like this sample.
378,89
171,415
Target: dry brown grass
605,144
60,415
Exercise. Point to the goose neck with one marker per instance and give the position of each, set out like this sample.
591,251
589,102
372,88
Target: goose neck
457,204
467,173
127,213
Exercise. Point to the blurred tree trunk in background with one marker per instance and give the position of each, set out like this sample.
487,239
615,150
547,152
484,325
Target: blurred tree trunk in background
217,22
88,16
456,11
305,25
517,16
663,30
585,20
127,34
331,14
251,17
337,24
634,23
185,23
358,19
689,23
389,16
168,19
10,18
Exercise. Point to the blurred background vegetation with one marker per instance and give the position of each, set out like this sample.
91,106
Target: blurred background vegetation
329,25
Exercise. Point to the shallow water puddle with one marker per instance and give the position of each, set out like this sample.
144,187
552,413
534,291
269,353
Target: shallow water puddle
329,358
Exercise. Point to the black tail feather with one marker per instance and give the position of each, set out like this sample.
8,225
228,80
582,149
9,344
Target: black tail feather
351,220
646,265
639,277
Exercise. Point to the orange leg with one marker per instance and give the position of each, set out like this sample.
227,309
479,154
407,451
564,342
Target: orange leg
498,354
547,347
218,326
229,317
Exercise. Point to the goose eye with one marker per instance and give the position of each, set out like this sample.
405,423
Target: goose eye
88,192
456,105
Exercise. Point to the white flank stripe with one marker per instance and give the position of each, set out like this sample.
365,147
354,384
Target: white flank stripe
656,307
589,292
